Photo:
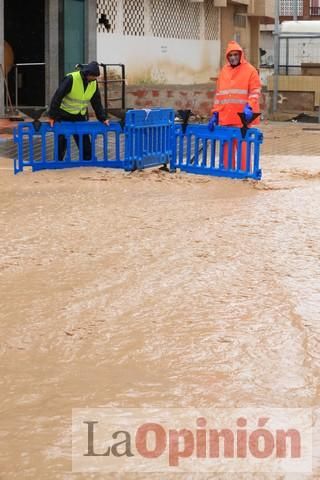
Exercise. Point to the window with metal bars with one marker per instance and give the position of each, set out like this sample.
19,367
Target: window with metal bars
240,20
180,19
314,8
287,8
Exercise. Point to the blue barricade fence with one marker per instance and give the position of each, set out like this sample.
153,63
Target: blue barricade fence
149,138
222,152
39,149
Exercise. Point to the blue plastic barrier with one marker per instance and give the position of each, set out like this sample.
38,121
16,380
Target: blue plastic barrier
222,152
148,138
45,142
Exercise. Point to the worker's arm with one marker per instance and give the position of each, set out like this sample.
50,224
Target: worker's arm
63,89
216,107
97,106
254,91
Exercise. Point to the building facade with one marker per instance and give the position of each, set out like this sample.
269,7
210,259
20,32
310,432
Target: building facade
44,39
240,20
297,72
303,9
162,43
288,10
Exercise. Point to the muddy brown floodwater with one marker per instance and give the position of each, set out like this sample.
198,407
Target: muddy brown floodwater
153,289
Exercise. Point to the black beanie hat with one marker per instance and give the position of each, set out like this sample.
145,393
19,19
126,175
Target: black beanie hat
92,69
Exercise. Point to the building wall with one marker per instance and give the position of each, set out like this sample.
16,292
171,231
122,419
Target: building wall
254,24
51,48
300,85
172,41
236,25
161,60
53,32
163,42
306,9
53,51
228,30
198,98
91,31
266,43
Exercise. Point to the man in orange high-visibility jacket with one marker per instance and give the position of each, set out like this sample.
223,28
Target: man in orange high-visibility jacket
238,90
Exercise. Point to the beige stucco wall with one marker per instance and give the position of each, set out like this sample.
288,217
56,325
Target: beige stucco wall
161,60
254,24
248,36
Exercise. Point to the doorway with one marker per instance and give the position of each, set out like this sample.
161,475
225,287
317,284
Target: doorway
24,31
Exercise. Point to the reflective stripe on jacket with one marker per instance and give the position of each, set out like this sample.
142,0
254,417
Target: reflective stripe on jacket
78,99
236,86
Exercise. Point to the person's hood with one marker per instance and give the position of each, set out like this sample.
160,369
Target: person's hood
233,45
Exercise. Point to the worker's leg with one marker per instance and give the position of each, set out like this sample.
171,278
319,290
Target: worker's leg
62,146
86,151
235,148
226,154
86,147
244,156
243,161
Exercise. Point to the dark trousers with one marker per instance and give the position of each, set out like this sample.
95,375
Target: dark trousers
86,151
62,141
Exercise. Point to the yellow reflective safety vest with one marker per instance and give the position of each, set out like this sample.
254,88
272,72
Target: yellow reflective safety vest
78,99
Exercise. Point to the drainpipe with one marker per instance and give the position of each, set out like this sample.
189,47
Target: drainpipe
276,44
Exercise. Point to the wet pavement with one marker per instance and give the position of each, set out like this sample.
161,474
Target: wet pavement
150,289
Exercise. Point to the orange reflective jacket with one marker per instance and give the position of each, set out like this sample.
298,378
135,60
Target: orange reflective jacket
236,86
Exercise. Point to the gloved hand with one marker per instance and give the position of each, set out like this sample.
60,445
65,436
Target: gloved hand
248,114
214,121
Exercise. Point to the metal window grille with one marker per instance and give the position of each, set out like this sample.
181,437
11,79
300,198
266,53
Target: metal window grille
181,19
240,20
287,8
211,20
133,17
109,9
314,7
175,19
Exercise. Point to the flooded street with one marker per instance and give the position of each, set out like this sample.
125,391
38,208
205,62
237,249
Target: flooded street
153,289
